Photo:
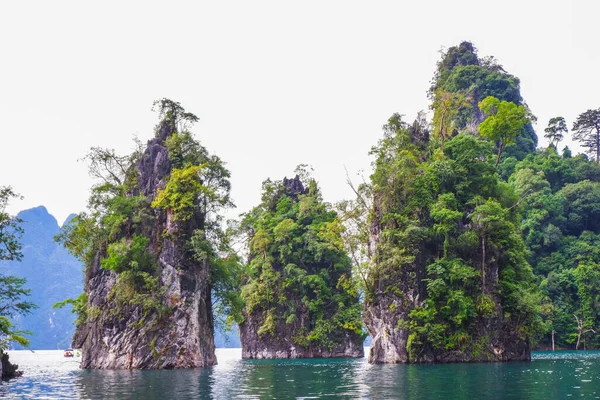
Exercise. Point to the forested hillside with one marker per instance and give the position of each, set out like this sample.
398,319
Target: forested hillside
560,203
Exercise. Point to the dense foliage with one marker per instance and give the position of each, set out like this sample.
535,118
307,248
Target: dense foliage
561,228
489,231
462,73
299,275
449,217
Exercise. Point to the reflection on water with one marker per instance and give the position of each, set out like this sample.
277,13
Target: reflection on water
555,375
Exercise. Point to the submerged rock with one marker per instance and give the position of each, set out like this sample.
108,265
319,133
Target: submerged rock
8,370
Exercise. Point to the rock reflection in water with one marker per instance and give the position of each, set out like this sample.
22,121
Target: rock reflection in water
550,376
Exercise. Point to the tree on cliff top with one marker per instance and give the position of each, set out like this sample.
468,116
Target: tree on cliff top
556,130
586,130
504,121
461,71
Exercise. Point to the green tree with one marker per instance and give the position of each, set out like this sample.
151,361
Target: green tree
174,113
504,121
10,229
492,225
354,216
12,289
556,130
586,130
446,217
446,106
299,282
587,277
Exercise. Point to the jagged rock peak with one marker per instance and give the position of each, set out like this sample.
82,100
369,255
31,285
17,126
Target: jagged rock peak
293,187
170,325
154,164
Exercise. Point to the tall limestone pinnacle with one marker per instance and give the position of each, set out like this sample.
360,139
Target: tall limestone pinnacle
148,303
297,300
449,279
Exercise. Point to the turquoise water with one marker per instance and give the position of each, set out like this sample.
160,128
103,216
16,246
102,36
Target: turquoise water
558,375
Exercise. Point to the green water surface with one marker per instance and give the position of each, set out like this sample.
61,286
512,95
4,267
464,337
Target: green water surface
558,375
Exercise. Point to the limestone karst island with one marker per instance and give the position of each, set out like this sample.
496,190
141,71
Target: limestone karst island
468,241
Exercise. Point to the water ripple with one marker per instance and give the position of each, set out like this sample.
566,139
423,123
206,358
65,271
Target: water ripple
551,375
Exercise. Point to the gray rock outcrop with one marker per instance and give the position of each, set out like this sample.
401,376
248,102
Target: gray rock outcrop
180,335
386,316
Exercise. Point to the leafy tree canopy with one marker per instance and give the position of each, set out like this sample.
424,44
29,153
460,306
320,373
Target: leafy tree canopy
12,289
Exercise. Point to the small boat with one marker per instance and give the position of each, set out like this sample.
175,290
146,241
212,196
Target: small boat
69,353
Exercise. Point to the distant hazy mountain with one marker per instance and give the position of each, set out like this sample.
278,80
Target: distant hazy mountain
228,339
52,275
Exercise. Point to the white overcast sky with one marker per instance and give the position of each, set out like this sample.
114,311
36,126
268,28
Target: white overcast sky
275,84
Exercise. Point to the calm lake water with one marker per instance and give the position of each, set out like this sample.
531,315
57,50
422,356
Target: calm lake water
558,375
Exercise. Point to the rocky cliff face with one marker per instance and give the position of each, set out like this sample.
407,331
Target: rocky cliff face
387,315
282,343
8,370
179,332
385,318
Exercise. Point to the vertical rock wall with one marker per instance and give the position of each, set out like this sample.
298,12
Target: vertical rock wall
386,316
183,336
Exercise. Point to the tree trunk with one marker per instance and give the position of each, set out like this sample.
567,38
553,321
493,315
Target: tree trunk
579,331
597,145
483,264
552,339
442,129
499,152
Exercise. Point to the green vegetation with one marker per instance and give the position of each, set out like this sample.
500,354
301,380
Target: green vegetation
462,73
121,223
586,130
450,216
478,235
556,131
12,289
298,282
463,220
505,120
181,192
561,228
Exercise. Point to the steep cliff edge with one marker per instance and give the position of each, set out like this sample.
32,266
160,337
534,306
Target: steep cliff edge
298,297
147,302
448,275
449,280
